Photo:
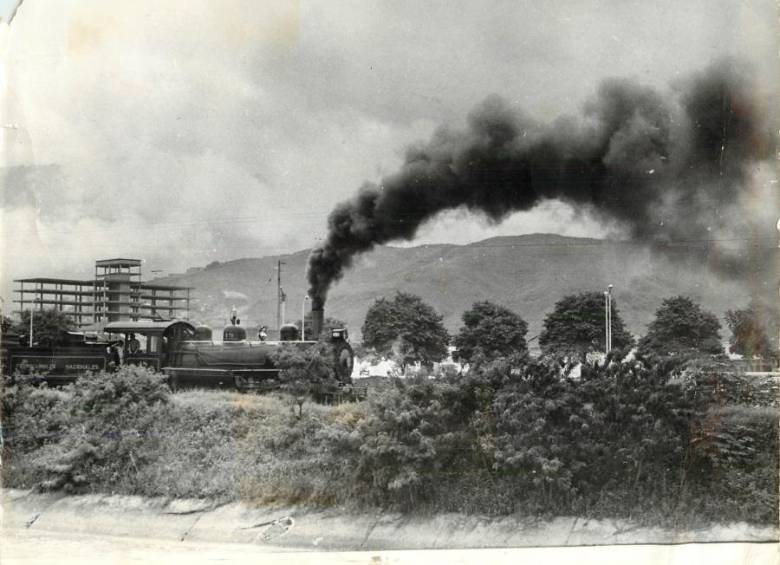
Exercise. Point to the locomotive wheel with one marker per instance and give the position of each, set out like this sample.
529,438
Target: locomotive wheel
240,383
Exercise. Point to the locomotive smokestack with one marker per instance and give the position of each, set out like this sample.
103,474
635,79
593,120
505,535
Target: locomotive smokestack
317,319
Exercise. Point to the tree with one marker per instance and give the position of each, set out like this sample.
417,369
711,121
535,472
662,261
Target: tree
577,326
305,371
680,328
6,326
48,326
750,330
406,328
490,330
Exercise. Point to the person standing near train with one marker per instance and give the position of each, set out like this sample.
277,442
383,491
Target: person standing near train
116,355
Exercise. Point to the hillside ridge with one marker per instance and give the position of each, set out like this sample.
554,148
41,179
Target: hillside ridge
527,273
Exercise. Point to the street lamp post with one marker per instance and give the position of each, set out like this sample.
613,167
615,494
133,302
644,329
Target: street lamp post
280,298
606,322
608,319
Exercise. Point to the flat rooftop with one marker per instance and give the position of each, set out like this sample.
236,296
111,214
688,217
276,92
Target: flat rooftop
118,262
48,280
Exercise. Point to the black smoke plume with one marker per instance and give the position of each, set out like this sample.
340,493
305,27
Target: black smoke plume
671,170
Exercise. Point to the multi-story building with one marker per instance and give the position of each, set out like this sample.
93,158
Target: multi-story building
116,293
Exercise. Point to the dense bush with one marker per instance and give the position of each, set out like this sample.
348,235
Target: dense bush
410,436
110,417
733,461
713,382
566,443
622,440
32,415
307,372
511,435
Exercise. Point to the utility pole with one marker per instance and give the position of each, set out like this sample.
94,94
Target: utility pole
609,317
303,317
279,295
778,287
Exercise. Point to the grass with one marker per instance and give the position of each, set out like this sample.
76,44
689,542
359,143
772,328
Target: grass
232,446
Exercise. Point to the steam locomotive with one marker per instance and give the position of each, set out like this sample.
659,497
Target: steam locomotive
185,353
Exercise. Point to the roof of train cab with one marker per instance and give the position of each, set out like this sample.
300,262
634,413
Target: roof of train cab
145,327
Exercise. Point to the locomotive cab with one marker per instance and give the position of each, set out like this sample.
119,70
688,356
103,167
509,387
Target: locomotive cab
340,334
151,343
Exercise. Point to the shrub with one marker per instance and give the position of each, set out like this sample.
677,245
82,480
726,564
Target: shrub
733,462
306,372
564,443
110,418
32,414
33,417
715,383
409,436
512,435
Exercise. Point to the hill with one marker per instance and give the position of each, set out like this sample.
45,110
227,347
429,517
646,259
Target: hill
527,273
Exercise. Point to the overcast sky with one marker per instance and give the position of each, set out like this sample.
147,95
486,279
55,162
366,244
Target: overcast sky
187,131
